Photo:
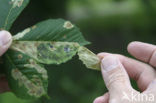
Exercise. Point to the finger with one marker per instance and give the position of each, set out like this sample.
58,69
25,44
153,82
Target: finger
115,76
5,41
151,88
143,51
102,99
141,72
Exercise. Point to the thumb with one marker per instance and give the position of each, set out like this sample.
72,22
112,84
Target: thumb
5,41
115,76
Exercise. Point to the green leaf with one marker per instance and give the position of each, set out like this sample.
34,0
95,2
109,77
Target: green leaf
36,45
9,11
52,30
89,58
47,52
27,79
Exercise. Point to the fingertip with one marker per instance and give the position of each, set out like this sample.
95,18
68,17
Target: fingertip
5,41
132,45
102,55
98,100
141,51
6,36
109,63
114,74
102,99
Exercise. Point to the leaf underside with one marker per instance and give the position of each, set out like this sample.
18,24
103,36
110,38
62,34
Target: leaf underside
89,58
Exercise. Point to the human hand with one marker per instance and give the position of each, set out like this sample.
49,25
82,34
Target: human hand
116,70
5,42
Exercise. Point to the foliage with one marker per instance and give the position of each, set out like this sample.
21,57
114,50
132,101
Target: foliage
109,30
53,41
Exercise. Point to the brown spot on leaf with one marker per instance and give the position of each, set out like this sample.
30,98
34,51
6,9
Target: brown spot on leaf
20,56
34,27
68,25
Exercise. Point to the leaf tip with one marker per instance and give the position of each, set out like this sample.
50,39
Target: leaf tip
89,58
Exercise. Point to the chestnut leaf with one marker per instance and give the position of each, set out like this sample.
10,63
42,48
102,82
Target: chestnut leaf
52,41
9,11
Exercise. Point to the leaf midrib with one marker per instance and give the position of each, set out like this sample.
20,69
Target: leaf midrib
6,20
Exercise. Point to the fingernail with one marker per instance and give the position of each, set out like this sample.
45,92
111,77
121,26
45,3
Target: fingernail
102,55
5,38
109,63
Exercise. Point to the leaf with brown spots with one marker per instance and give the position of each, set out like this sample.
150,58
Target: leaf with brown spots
27,78
35,46
48,42
46,52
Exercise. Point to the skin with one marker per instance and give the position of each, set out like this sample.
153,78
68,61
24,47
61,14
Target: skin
117,69
5,42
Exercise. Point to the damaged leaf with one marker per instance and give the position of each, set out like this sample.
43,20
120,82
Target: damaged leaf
52,30
47,52
48,42
53,41
89,58
27,78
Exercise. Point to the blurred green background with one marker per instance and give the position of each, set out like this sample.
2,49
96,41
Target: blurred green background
109,24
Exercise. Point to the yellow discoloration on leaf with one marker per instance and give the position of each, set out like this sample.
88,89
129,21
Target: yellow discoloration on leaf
68,25
46,52
16,74
54,53
37,80
33,90
17,3
89,58
21,34
38,68
28,48
20,56
31,61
